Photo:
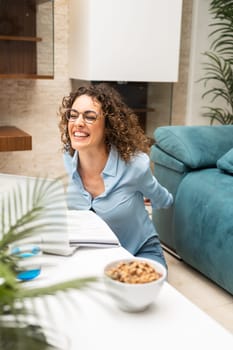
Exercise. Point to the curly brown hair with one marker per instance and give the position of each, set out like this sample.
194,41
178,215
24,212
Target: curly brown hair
122,128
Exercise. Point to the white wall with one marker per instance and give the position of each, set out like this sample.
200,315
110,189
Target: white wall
125,40
199,44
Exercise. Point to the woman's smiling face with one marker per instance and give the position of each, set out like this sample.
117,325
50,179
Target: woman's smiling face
84,135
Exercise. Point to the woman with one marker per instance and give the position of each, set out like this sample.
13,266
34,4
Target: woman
105,154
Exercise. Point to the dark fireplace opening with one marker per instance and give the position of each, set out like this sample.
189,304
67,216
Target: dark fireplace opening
134,95
151,101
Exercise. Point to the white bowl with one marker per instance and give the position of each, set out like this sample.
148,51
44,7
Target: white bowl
134,297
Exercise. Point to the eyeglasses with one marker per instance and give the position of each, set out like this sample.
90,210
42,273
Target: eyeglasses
89,117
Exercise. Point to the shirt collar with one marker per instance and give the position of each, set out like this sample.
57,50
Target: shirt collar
110,167
74,162
112,163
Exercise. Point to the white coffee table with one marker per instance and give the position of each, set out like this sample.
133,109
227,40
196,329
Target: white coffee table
89,319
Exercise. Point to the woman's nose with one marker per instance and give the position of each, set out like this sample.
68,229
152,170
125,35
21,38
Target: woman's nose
79,120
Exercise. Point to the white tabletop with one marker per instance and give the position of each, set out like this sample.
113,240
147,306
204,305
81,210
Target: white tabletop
89,319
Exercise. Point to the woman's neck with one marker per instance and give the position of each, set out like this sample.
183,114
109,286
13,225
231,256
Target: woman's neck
92,161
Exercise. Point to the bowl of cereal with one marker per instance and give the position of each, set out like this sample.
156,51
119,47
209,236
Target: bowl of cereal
134,283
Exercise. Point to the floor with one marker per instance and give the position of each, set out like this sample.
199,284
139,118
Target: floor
216,302
212,299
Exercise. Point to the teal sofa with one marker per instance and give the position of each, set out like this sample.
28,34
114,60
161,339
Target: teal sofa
195,163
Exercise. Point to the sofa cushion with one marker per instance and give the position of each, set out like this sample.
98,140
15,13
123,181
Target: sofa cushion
225,163
195,146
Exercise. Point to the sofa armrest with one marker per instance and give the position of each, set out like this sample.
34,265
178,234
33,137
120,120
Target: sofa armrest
159,157
167,170
195,146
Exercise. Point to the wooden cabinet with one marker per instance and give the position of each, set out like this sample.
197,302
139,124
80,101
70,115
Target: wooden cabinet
26,39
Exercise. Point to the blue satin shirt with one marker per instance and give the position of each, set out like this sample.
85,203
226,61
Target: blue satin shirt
121,205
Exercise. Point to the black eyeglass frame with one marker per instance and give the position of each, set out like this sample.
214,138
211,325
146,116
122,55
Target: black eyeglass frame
89,117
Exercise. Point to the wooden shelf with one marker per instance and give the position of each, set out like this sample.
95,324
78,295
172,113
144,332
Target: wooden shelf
21,26
14,139
20,38
25,76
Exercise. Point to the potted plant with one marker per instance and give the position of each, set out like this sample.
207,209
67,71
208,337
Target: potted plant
218,68
26,212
